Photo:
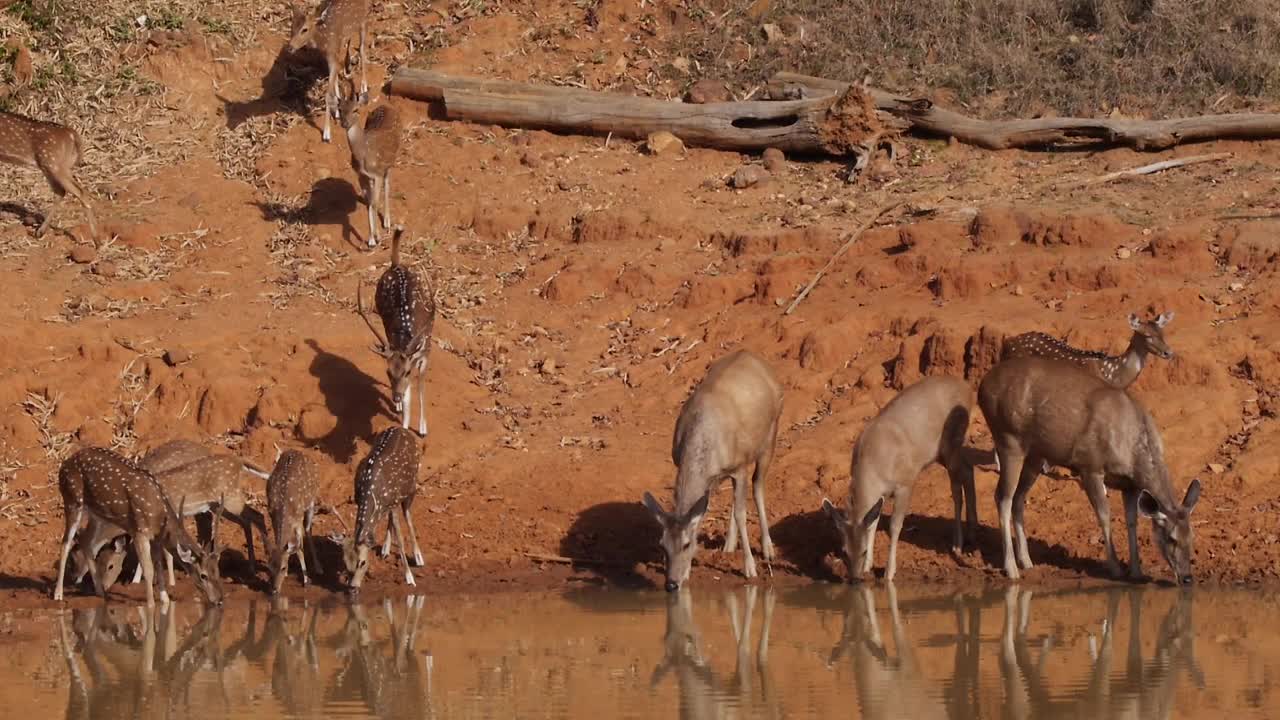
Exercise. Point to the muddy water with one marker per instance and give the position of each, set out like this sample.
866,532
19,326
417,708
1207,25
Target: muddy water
823,651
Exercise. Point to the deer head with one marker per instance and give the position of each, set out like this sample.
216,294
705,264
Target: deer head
400,362
1172,529
279,564
351,108
679,535
1151,334
202,564
853,536
303,27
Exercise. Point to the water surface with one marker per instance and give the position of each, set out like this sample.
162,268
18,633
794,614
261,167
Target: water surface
822,651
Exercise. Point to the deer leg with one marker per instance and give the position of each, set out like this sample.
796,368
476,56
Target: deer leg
757,486
385,550
307,519
330,98
731,535
395,524
143,546
1011,460
1026,480
69,538
901,500
406,402
422,396
1131,526
302,556
364,80
386,200
168,566
1095,487
413,534
963,495
740,511
66,179
371,200
868,545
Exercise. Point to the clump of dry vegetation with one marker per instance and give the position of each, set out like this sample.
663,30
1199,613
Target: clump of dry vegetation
1006,57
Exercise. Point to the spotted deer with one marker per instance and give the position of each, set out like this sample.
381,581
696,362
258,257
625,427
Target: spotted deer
332,27
54,150
728,424
1117,370
406,305
107,486
1048,410
373,134
923,425
386,481
293,492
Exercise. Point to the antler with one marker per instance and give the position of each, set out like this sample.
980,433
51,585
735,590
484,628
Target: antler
383,347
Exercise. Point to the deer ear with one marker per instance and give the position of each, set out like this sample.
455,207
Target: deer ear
652,504
698,510
1164,319
1192,497
836,514
873,515
1134,321
1150,507
185,555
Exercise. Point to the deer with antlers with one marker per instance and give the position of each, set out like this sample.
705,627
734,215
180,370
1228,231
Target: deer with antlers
406,304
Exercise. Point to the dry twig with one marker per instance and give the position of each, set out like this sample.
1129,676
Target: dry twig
881,212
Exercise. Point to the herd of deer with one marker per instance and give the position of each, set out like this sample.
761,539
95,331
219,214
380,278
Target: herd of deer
1045,403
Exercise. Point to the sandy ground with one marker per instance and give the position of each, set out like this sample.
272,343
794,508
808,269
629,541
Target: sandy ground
584,288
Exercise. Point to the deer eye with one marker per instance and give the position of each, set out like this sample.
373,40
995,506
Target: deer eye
687,543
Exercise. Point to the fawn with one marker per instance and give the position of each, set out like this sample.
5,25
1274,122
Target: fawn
386,480
1117,370
924,424
373,133
406,305
53,149
108,486
292,501
332,27
1047,410
729,423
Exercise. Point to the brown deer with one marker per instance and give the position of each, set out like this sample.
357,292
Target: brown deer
293,492
1117,370
406,305
107,486
924,424
172,455
332,27
53,149
729,423
1047,410
386,481
374,135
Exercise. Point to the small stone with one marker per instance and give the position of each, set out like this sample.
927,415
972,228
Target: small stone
106,269
772,33
748,176
564,185
548,367
1217,468
774,160
176,356
530,159
1017,290
83,254
681,64
707,91
1123,253
663,143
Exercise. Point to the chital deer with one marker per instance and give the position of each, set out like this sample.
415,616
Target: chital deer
172,455
406,305
293,492
729,423
386,482
333,27
1047,410
1117,370
107,486
374,134
924,424
53,149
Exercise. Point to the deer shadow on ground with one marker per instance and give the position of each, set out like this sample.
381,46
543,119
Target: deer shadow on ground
29,217
285,88
331,202
17,582
614,541
806,539
352,396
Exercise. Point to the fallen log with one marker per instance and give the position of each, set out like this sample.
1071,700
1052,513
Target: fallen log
923,115
835,123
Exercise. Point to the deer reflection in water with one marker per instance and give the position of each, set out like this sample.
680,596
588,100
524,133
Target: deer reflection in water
896,686
393,684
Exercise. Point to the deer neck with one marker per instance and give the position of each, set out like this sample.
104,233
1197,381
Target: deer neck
698,474
1131,362
356,138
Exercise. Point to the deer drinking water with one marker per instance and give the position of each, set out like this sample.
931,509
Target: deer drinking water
386,481
407,307
1048,410
113,490
292,501
924,424
1117,370
53,149
729,423
333,27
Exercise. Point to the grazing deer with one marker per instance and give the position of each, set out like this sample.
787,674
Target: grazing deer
406,305
729,423
1047,410
386,481
293,492
924,424
374,135
172,455
332,27
53,149
109,487
1117,370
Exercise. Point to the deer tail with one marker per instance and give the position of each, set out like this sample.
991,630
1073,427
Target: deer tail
395,245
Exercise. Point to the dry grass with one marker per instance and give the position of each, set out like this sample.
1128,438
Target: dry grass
1010,57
